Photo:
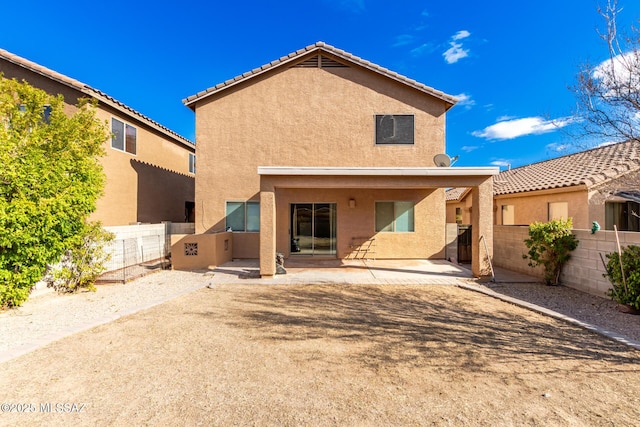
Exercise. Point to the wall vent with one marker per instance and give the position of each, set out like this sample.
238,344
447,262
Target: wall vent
320,61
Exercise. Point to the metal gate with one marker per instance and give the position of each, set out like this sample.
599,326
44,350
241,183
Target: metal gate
464,243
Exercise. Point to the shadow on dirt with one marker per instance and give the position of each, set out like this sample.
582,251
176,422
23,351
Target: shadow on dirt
436,326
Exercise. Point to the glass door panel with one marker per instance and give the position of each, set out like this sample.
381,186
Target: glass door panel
313,228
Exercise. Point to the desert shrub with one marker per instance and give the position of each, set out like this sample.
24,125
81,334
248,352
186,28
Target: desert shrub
550,245
81,265
625,291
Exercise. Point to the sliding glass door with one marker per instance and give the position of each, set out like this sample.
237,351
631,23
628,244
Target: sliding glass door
313,228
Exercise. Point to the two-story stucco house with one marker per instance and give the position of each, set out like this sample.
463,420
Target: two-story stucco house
150,169
321,151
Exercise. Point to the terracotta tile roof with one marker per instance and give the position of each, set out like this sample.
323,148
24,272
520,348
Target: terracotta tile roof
94,93
456,194
319,47
587,168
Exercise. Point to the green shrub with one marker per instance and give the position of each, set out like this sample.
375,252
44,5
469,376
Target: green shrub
550,245
50,180
81,266
626,291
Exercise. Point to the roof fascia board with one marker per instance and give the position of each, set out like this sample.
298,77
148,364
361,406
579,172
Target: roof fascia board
547,191
377,171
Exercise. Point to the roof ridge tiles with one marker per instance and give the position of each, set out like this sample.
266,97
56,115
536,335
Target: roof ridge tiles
320,46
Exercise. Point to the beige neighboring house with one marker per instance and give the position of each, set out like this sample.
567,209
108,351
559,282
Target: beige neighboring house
150,169
322,154
601,184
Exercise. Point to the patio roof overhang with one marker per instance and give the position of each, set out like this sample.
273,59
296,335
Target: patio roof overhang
378,171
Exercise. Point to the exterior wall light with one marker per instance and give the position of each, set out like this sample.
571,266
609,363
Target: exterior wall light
352,203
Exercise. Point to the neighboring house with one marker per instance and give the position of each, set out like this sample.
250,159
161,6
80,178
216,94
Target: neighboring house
321,154
150,170
458,205
601,184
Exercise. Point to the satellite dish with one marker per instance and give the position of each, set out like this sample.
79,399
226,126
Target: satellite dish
442,160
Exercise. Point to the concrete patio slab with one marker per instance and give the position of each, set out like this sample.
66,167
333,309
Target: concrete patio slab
327,271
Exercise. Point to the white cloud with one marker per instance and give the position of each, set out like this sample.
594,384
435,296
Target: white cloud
455,53
465,100
514,128
469,148
462,34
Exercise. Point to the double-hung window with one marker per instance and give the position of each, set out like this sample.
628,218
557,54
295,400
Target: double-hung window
395,129
394,217
243,216
124,136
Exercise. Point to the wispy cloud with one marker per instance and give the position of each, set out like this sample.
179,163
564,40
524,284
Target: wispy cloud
514,128
464,100
469,148
403,40
560,148
456,50
423,49
502,163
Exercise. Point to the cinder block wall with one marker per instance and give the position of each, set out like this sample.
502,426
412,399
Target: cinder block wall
583,271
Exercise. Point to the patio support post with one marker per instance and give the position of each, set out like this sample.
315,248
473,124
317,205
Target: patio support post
267,231
482,226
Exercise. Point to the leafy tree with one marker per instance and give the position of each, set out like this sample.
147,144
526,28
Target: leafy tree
608,94
550,245
50,180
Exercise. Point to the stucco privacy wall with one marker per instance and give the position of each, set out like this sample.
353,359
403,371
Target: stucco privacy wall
583,271
200,251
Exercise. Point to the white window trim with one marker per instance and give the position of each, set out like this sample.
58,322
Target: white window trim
126,123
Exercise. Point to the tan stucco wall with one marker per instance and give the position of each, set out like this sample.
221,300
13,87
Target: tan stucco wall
533,206
150,186
464,205
303,117
427,241
213,250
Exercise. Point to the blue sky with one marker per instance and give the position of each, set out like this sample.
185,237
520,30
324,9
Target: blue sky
510,63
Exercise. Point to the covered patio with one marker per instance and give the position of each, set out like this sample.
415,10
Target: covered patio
279,186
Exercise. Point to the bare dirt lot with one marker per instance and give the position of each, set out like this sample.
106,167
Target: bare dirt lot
327,355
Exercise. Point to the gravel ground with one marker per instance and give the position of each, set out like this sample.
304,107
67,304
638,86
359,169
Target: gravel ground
591,309
50,316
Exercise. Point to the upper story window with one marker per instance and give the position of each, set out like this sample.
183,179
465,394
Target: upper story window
394,129
192,163
124,136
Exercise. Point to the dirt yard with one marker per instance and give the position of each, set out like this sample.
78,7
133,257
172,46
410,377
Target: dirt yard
327,355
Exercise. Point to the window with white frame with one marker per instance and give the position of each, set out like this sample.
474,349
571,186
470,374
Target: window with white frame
395,217
192,163
394,129
124,136
243,216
